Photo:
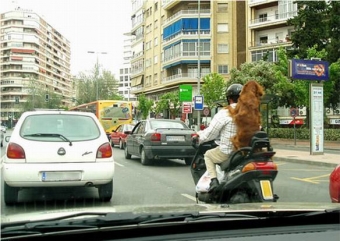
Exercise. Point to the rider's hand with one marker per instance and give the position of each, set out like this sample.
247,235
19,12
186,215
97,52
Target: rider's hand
194,140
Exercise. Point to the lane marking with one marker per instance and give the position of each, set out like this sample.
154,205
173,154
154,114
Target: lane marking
313,180
189,197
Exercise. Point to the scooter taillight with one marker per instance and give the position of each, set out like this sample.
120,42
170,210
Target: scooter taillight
251,166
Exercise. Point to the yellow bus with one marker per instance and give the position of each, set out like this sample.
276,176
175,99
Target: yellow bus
110,113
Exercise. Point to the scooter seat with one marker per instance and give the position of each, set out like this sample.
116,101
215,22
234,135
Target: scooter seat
233,160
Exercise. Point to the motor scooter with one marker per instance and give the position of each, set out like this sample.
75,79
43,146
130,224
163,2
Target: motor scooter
248,176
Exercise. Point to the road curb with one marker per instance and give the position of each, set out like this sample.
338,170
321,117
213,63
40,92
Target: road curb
316,163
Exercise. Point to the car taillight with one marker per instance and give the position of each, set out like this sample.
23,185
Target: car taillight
15,151
156,137
104,151
259,166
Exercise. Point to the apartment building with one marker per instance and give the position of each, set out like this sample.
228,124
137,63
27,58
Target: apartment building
124,88
267,27
167,34
31,51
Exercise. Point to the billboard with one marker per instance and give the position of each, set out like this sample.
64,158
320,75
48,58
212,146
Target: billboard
309,69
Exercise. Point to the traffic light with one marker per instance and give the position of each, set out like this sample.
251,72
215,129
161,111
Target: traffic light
47,97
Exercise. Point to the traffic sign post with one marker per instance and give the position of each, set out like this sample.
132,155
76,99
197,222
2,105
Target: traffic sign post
294,112
198,102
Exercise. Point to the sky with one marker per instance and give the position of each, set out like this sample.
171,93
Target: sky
89,25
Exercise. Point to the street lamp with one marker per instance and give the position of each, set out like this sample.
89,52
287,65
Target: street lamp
97,73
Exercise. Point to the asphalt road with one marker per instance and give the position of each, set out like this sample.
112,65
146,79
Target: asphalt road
166,182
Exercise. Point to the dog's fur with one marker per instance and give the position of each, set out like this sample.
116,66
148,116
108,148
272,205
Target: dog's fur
246,115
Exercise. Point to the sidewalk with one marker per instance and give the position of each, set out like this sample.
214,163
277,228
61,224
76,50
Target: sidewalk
294,153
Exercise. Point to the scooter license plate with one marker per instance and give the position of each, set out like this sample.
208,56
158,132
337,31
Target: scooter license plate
266,189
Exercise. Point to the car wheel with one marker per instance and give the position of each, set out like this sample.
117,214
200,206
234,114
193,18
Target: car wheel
127,155
188,161
111,142
10,194
105,191
144,159
121,144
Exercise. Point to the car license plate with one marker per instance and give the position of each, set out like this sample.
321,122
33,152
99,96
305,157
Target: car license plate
175,138
60,176
266,188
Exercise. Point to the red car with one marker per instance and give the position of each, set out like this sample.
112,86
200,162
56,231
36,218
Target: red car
334,185
117,137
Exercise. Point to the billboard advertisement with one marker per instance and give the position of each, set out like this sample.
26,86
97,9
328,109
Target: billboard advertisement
309,69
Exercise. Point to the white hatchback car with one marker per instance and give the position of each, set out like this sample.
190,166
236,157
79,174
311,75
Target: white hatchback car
58,149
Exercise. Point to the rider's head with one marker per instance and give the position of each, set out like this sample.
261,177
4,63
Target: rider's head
233,92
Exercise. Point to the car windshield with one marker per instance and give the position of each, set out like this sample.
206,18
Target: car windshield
46,127
167,106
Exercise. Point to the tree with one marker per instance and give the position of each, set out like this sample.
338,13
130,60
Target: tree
37,98
169,102
316,25
88,86
273,77
144,106
213,89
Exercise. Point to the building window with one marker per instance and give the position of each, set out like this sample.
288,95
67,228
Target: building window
155,59
263,17
222,48
263,40
222,27
222,7
155,24
223,69
156,6
156,41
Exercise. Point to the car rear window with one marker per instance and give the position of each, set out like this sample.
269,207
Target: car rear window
73,127
167,124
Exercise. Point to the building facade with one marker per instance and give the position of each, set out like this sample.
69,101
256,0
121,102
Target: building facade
267,28
124,88
34,55
178,42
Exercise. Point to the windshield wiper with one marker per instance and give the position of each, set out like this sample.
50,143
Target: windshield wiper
50,135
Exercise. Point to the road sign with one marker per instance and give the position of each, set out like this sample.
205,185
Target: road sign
186,108
198,101
294,112
185,92
206,111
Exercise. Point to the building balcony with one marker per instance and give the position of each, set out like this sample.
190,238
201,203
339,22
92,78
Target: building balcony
271,20
186,58
204,13
270,43
265,3
184,34
184,77
168,4
135,56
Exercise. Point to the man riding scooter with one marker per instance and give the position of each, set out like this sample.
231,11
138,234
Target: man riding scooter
222,126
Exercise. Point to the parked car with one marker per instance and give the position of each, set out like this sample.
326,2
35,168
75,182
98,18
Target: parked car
160,139
334,185
58,149
117,137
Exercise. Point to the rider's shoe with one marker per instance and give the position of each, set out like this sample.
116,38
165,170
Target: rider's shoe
213,184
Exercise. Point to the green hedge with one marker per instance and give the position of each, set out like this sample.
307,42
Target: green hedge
302,133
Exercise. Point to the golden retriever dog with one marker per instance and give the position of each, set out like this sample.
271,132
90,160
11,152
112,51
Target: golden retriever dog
246,115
